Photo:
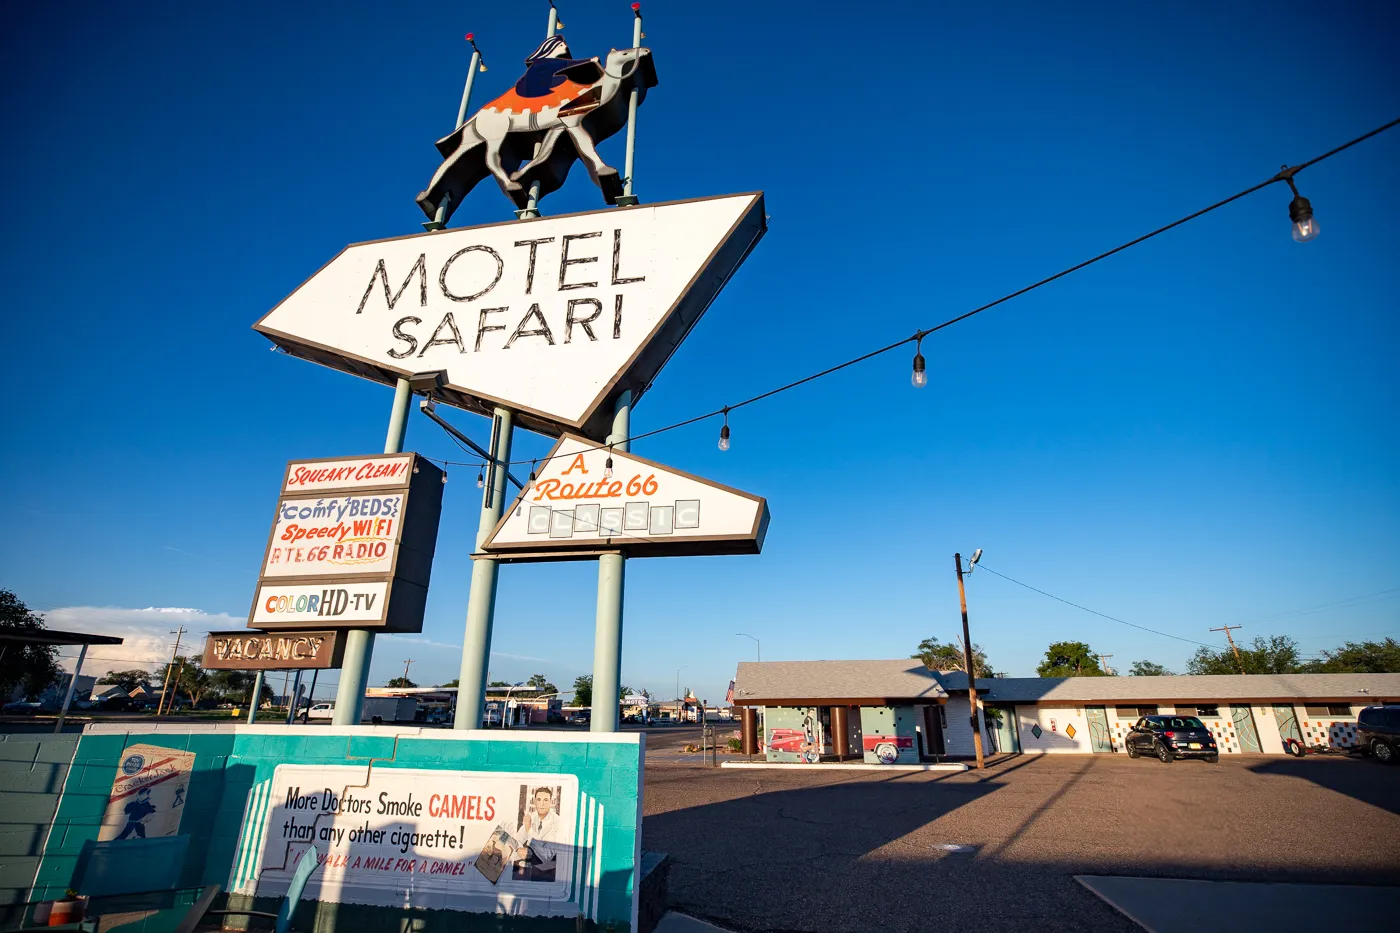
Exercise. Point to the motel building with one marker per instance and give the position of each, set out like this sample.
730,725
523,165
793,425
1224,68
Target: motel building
899,712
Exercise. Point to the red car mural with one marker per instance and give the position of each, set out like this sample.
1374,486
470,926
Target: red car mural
886,747
795,742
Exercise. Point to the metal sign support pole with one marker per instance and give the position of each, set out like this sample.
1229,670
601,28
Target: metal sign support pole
439,219
532,207
628,198
481,602
607,633
257,698
359,643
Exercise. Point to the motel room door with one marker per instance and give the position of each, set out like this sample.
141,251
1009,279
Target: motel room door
1244,729
1004,725
1287,720
1100,738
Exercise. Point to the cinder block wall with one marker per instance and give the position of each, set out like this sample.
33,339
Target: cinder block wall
33,768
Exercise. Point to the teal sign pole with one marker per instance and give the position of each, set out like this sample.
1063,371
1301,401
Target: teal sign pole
359,643
612,568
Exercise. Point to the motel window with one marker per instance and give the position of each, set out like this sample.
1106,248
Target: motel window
1204,711
1332,709
1134,712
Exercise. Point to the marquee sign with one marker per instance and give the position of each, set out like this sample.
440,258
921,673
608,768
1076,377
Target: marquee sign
352,545
576,508
270,651
552,317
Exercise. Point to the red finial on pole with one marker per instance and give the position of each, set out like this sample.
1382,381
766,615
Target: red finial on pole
470,37
636,8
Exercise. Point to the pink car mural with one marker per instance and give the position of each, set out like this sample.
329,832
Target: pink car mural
886,747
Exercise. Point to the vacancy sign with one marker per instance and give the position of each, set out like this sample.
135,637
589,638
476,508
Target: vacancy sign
552,318
644,509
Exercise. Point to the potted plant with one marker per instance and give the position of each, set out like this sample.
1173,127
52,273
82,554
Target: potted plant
68,909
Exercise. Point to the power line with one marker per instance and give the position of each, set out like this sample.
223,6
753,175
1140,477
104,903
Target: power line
983,566
1284,175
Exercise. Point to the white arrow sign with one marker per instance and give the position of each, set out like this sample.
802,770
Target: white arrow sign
642,508
552,318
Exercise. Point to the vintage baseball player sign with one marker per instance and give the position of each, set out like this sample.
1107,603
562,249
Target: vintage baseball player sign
577,507
552,318
352,545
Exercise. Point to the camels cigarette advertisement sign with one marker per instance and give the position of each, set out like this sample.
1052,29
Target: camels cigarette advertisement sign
468,837
148,793
264,651
351,555
552,317
639,506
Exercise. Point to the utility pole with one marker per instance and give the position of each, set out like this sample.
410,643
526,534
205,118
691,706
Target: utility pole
165,687
406,665
1103,663
967,663
1233,646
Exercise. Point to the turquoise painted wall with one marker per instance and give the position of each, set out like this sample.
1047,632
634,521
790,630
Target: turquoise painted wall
33,768
887,733
230,760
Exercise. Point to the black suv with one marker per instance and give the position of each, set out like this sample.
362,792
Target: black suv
1170,738
1378,732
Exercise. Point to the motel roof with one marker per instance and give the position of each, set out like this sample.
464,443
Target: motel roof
822,681
850,682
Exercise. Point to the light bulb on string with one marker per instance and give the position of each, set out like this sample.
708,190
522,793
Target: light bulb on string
607,467
481,478
724,432
919,379
1300,211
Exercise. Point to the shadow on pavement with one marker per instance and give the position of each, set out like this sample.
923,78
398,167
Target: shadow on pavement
1354,776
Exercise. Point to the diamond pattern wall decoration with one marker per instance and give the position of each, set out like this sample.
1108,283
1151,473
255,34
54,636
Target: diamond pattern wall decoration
1035,730
1069,730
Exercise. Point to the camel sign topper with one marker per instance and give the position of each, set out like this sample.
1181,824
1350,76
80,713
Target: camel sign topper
557,112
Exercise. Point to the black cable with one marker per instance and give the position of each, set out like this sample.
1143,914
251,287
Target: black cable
981,566
1285,174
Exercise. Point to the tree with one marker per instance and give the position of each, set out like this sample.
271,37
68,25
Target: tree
499,683
194,679
940,657
401,682
1148,669
1367,657
1070,659
541,683
583,690
1277,654
30,666
236,686
451,683
127,680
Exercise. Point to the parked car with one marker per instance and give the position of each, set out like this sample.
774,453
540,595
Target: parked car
23,707
582,717
320,711
1378,733
1171,737
114,705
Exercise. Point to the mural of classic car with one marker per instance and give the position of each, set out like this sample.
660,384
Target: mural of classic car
793,741
886,747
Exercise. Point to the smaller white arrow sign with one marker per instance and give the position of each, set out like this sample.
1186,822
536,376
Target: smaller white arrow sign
551,318
640,507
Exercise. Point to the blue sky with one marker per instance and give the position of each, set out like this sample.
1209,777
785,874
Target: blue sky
1197,432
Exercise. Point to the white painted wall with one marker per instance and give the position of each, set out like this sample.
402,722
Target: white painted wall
1058,739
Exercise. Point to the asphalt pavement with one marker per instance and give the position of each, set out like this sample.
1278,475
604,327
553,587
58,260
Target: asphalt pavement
998,850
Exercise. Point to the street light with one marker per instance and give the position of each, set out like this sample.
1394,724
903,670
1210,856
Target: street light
758,645
678,690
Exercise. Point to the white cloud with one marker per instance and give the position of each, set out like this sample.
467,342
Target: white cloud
147,634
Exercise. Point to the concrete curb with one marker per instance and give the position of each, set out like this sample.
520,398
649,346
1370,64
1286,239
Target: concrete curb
838,766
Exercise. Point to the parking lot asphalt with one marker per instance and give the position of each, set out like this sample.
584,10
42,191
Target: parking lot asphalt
791,851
